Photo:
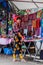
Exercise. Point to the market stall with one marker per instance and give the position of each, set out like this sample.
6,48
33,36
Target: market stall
27,19
32,18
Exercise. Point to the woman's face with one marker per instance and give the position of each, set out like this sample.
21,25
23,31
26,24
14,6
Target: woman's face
18,21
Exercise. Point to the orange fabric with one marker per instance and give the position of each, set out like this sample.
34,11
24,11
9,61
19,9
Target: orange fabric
34,23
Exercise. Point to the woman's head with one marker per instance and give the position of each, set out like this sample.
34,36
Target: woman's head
18,20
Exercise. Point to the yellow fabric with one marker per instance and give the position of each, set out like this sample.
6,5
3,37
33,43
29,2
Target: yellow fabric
14,56
20,56
39,14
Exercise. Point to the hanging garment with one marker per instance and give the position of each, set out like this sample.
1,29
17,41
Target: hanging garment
37,31
34,16
30,16
34,23
37,23
1,1
41,31
5,5
41,23
41,27
39,14
42,15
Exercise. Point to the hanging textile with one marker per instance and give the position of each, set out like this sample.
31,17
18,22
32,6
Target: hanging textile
42,28
42,23
30,16
34,16
25,18
42,15
5,4
29,28
30,22
21,12
34,23
37,23
37,27
1,1
39,14
37,32
42,32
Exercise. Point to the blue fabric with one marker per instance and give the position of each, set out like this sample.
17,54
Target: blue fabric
41,32
41,27
41,22
5,4
1,1
8,51
17,52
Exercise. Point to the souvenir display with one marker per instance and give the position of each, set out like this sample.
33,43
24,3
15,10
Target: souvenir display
3,27
20,31
34,16
38,23
21,12
42,28
42,15
30,16
39,14
34,23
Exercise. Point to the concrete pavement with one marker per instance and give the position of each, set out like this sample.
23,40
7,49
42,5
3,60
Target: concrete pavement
8,60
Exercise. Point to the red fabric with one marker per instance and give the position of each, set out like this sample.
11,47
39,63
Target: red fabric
37,23
25,18
29,28
15,18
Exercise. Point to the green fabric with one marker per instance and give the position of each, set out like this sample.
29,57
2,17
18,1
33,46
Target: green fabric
21,12
10,22
23,47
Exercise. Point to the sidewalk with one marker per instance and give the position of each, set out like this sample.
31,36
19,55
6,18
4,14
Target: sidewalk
8,60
